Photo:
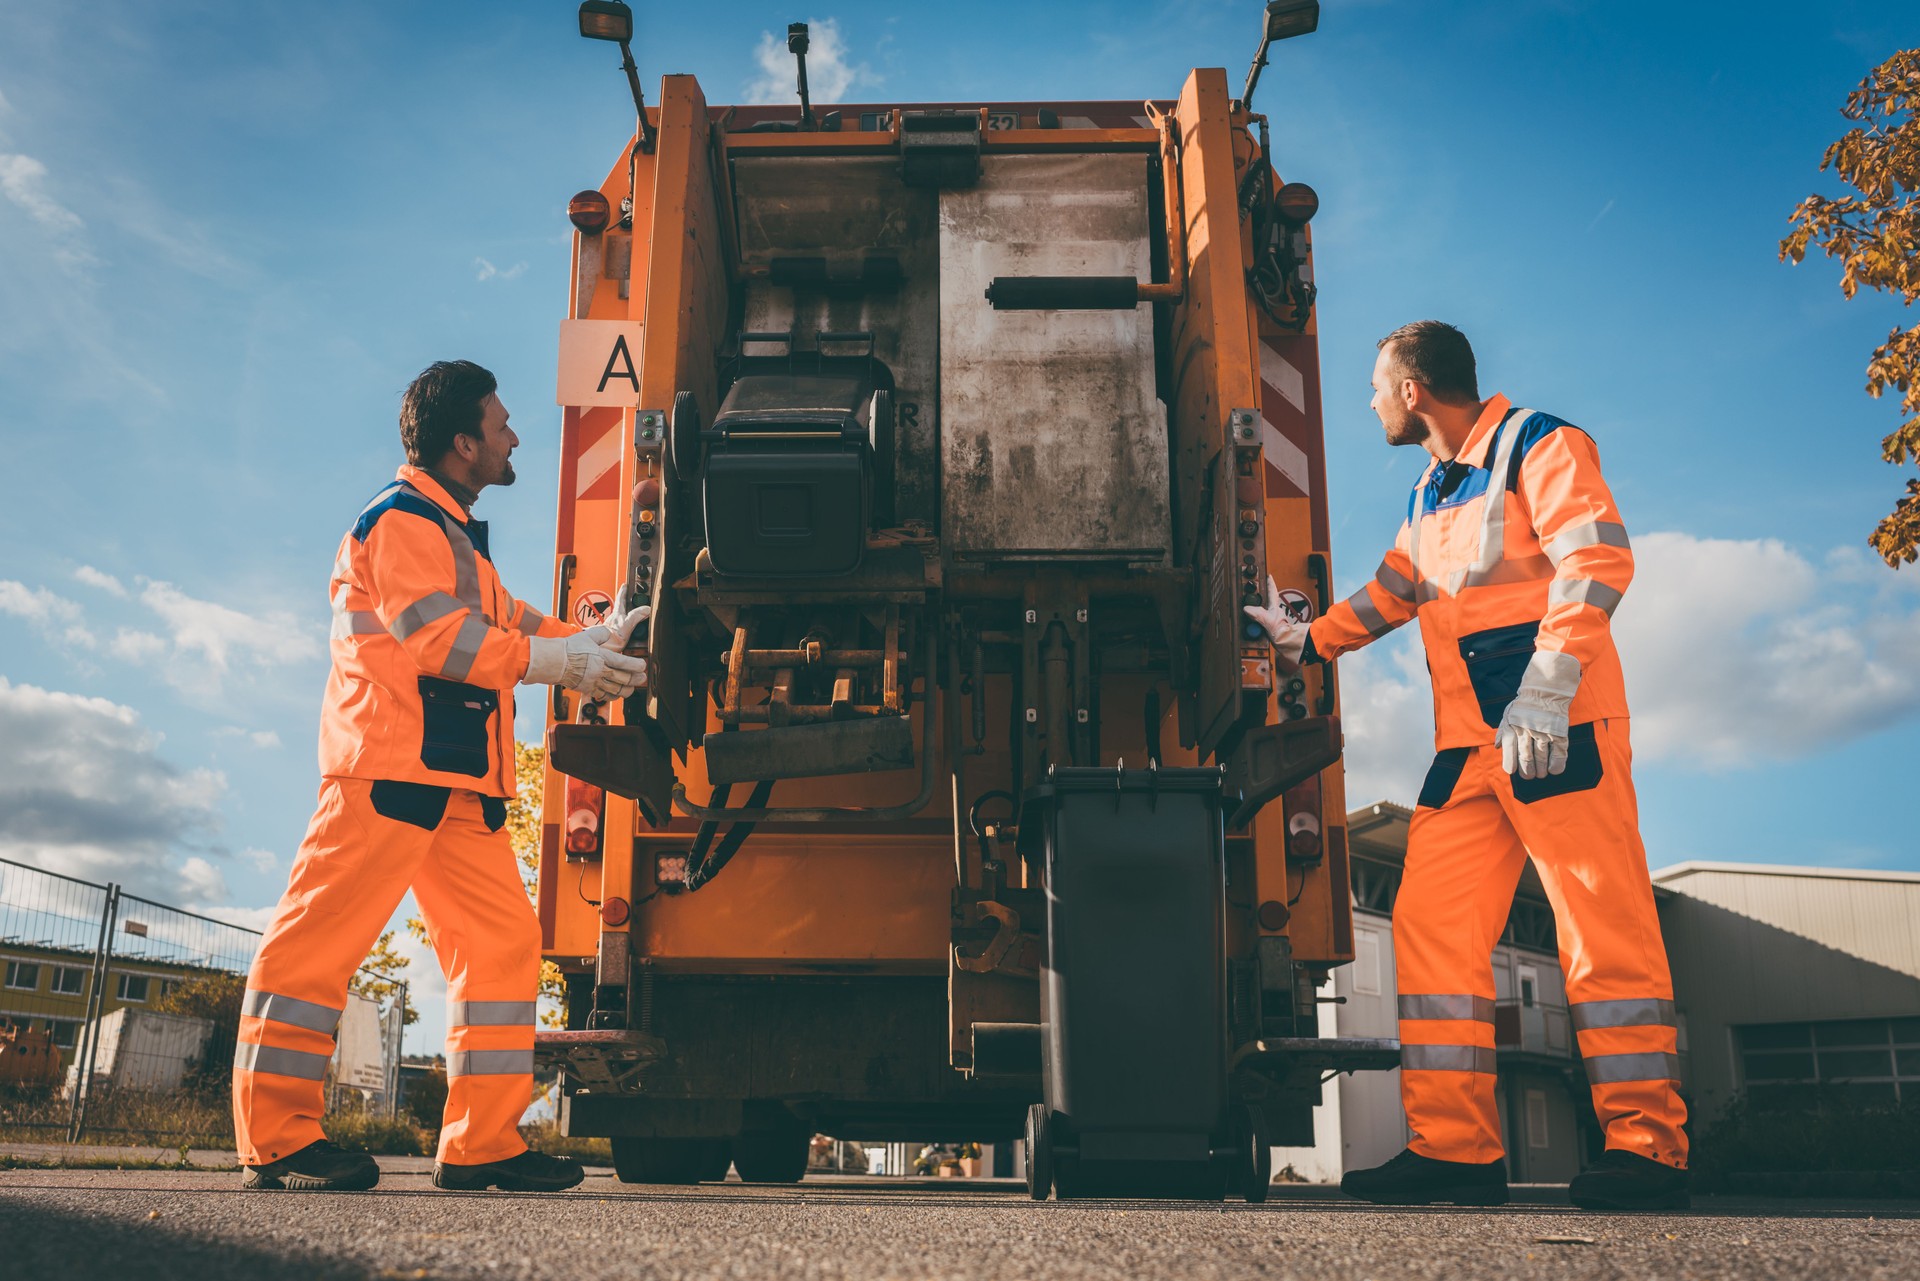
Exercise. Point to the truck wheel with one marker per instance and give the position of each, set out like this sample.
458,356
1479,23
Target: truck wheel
772,1156
1256,1155
683,437
1039,1163
667,1160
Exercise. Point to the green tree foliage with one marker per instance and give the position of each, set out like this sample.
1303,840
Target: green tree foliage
216,997
380,975
1875,234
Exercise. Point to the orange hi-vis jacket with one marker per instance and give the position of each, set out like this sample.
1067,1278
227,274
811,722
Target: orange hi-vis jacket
427,647
1512,555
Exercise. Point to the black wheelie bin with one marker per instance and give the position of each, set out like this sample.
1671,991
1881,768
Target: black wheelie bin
1133,993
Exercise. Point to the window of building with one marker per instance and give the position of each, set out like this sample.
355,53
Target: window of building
1530,925
1529,980
66,1032
70,980
23,976
1870,1062
1537,1133
131,987
1375,885
1366,963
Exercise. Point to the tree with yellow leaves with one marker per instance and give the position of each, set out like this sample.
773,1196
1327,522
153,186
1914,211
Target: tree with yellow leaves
1876,236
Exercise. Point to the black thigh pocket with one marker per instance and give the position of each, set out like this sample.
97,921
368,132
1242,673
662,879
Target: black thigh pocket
454,734
494,810
1582,774
1496,661
421,804
1442,777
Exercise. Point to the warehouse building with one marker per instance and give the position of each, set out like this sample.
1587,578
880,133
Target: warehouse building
1786,980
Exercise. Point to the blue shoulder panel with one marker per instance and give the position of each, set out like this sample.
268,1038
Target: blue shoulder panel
396,497
1535,429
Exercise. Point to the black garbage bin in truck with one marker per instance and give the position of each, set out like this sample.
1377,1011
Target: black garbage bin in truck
1133,997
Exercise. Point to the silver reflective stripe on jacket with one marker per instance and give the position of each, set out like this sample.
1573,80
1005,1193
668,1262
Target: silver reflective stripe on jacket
1584,591
1477,1008
530,620
272,1060
1447,1058
1609,533
310,1015
1630,1012
430,608
490,1013
490,1063
1614,1069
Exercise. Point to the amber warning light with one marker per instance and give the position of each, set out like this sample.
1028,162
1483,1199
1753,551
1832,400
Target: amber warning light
589,212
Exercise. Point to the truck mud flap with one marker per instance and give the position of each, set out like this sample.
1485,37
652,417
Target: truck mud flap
865,746
601,1059
627,760
1272,758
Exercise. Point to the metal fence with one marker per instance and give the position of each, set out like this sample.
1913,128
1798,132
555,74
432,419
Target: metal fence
118,1014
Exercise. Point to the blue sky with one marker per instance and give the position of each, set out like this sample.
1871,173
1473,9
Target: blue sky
230,234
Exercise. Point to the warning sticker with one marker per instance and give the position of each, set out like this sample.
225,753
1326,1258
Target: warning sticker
1298,607
591,608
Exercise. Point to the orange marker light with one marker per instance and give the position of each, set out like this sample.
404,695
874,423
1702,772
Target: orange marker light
615,911
589,212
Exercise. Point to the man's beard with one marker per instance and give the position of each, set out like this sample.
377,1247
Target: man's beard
505,474
1409,430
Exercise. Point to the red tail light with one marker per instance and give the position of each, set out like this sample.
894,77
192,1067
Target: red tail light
586,815
615,911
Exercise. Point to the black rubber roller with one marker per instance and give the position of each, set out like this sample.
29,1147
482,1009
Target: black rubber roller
1064,293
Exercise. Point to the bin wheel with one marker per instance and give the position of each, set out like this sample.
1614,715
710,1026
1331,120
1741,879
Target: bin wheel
683,437
638,1160
772,1156
1039,1163
1256,1155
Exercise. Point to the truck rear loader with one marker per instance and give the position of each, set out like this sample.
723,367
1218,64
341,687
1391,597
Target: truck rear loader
962,802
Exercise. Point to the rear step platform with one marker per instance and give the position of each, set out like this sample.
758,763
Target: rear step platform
602,1059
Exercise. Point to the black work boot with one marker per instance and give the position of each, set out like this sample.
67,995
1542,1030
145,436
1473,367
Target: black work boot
318,1167
1622,1180
529,1172
1412,1179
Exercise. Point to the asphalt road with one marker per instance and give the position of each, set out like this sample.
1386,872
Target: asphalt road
135,1225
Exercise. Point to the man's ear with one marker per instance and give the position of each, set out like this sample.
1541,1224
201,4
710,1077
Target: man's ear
468,447
1414,396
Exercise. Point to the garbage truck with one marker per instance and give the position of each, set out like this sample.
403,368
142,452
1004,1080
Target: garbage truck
961,801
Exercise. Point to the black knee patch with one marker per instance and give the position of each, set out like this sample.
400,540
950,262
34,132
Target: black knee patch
421,804
494,810
1583,772
1442,777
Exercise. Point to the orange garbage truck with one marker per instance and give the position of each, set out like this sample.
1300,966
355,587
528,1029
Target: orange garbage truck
962,802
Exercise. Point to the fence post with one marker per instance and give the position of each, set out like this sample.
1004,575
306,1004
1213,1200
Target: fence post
86,1054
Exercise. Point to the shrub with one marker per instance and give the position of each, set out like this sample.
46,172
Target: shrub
1828,1133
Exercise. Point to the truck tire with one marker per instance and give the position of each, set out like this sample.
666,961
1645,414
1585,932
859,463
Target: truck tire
1039,1153
679,1161
772,1156
1256,1155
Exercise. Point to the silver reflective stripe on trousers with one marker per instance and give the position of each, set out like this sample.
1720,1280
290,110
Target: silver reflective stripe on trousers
1609,533
1477,1008
1447,1058
271,1060
1583,591
490,1013
1631,1012
1614,1069
490,1063
310,1015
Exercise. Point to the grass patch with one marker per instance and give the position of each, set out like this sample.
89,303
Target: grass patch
545,1137
379,1134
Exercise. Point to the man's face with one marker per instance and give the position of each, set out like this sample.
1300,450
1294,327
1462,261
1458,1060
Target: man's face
1402,427
492,461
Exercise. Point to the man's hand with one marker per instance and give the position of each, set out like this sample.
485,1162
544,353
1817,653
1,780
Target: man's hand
585,662
1533,730
1288,634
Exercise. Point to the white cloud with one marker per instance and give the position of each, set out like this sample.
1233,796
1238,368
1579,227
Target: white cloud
224,636
37,605
250,918
130,646
1735,650
829,74
485,270
23,181
262,861
264,738
85,791
100,579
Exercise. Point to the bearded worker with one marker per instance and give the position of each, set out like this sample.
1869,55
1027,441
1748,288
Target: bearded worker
1513,557
417,767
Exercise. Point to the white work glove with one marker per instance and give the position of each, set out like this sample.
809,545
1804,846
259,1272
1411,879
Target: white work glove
615,631
1288,634
582,662
1533,730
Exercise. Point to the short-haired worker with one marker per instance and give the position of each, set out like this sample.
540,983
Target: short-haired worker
417,766
1513,558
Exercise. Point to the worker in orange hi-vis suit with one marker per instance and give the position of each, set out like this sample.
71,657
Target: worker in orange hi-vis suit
1513,557
417,766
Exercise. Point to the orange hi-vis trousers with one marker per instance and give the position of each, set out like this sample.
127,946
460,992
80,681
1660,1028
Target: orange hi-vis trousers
1471,834
367,844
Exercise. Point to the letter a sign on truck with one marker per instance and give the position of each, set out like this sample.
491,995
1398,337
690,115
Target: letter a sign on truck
599,363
